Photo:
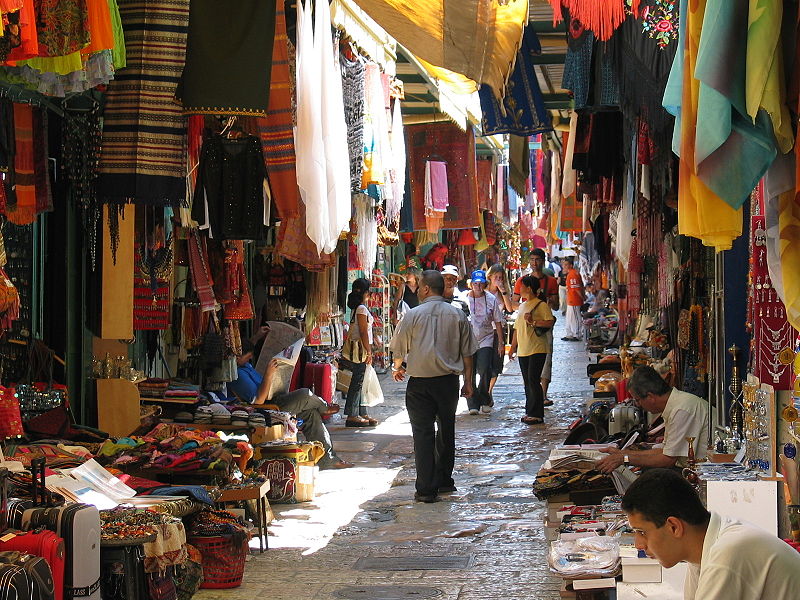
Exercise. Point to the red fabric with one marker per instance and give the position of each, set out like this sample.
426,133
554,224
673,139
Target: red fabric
445,142
10,418
485,170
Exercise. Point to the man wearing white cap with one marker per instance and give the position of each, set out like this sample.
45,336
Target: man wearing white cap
450,274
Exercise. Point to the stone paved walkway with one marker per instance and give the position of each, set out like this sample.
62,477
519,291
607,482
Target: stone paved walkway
318,550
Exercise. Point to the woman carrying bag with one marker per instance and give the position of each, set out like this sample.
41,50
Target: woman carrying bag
530,343
357,354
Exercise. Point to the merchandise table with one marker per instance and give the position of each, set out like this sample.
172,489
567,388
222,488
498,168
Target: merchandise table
259,494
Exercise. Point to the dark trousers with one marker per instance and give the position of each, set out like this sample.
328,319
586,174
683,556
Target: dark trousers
482,375
531,367
309,407
431,404
352,407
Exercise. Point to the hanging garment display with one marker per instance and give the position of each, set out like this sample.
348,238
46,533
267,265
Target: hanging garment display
353,81
151,281
28,190
201,273
519,165
436,194
376,142
143,157
228,58
229,196
323,172
397,171
456,148
366,232
602,17
701,212
237,303
578,61
294,244
521,110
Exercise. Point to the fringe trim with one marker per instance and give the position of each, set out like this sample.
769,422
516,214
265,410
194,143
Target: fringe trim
602,17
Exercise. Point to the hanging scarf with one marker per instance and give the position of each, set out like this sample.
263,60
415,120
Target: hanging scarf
600,16
201,273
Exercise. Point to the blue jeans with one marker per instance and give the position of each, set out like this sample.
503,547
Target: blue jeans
352,407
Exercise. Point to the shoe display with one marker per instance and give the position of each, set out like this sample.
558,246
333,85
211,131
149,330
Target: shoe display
427,498
486,409
473,411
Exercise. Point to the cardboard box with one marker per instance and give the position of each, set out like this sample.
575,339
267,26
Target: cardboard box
306,478
267,434
641,570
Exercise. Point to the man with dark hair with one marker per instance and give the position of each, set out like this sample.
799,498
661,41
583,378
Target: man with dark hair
728,559
436,341
685,415
575,300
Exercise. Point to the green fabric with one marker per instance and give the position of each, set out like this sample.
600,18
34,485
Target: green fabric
118,55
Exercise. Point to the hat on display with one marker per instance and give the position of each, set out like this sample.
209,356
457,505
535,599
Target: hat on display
450,270
478,276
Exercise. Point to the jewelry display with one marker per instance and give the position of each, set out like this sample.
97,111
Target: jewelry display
735,389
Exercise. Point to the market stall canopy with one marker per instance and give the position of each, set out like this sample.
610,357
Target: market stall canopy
473,39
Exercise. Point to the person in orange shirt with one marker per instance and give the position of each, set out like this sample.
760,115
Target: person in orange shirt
575,299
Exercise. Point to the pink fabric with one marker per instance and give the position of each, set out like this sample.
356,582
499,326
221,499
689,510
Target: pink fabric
438,174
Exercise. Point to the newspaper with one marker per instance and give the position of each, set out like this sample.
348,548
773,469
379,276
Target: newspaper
284,343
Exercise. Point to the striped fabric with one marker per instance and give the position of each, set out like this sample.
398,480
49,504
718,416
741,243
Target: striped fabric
275,130
143,157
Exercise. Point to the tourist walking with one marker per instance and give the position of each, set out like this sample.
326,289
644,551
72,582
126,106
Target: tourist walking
548,292
486,318
357,354
436,342
534,318
575,299
497,284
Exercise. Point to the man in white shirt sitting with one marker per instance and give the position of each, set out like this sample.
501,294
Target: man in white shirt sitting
685,416
728,559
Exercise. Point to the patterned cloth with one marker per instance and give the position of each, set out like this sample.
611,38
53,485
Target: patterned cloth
457,149
294,244
275,130
522,111
143,157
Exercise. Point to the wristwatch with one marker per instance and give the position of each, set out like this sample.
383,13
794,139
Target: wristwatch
626,461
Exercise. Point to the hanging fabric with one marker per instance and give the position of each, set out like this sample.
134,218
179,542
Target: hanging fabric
201,271
228,58
600,16
436,194
519,165
366,232
143,158
353,82
397,173
521,111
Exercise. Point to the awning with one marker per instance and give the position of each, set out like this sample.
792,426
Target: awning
475,39
365,33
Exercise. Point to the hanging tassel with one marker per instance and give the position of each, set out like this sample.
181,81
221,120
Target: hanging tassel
557,15
602,17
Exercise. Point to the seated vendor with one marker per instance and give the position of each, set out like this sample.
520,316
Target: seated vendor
307,406
246,386
728,559
685,415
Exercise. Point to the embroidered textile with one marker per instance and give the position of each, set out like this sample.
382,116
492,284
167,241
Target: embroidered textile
485,169
294,244
522,110
28,192
143,158
228,58
201,272
578,62
456,148
62,26
230,188
353,79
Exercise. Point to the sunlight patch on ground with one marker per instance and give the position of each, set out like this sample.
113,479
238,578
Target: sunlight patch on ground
339,496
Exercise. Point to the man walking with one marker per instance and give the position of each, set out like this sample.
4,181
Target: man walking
575,300
436,341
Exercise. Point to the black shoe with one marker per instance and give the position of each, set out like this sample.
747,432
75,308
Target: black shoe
548,402
447,489
427,498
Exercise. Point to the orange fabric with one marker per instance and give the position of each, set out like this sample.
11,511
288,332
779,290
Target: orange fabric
24,211
574,288
102,35
550,286
29,38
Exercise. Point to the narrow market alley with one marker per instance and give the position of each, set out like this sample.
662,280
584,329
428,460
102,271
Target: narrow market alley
365,537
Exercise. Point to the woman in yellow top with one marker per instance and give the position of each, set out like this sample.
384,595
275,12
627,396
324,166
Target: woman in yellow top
530,344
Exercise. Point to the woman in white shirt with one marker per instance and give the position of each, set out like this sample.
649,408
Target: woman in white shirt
486,318
360,329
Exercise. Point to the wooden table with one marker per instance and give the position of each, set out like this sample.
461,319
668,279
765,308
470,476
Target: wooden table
259,494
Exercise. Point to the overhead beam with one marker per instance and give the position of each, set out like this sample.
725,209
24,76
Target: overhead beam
548,59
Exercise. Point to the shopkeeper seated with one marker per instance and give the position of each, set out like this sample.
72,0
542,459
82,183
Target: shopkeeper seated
685,415
252,387
728,559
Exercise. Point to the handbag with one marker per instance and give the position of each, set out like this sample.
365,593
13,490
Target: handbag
212,348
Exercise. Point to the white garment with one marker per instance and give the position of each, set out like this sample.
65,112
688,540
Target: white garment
398,170
334,128
355,332
568,183
574,322
685,415
312,177
742,562
484,312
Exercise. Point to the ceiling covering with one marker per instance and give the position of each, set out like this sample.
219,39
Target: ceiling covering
550,70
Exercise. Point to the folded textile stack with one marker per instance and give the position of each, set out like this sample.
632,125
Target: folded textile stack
239,418
181,394
153,388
